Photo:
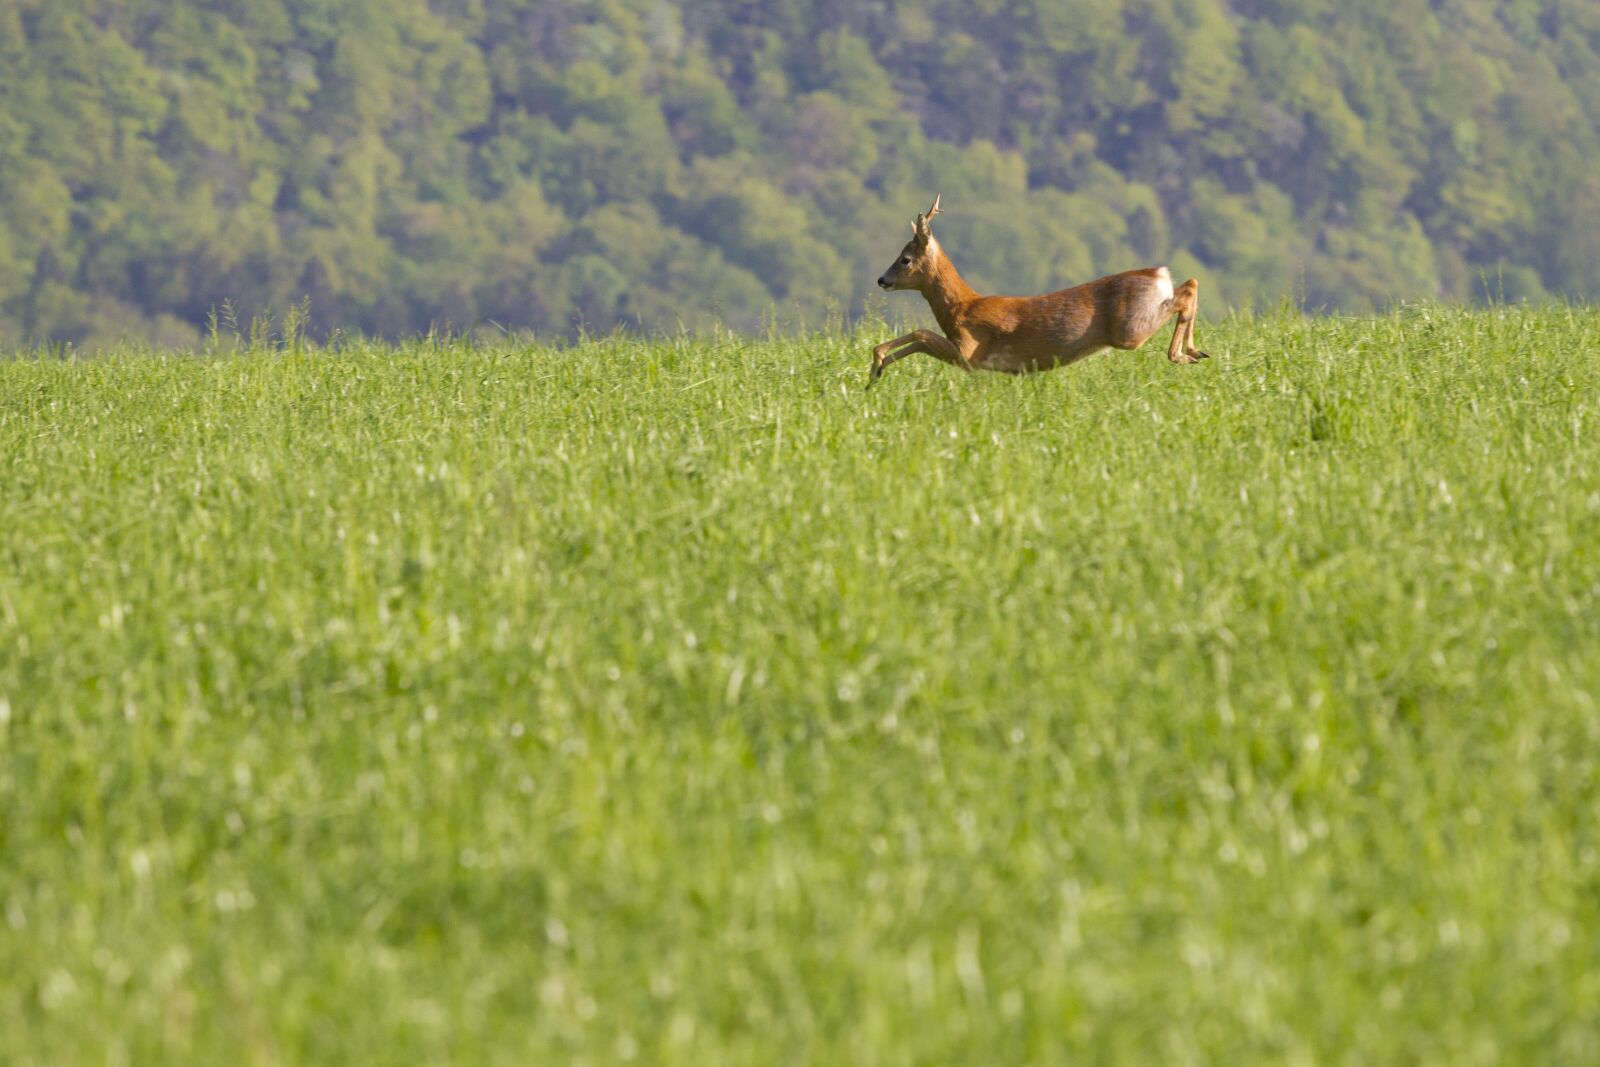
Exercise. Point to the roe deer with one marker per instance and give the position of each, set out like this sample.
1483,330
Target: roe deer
1016,334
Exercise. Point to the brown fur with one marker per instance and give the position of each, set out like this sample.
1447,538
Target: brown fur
1017,334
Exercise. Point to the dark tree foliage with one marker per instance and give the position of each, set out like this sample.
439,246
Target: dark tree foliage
580,164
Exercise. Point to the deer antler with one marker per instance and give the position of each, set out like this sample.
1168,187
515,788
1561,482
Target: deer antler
922,227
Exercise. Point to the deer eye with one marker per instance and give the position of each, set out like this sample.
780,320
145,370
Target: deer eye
904,260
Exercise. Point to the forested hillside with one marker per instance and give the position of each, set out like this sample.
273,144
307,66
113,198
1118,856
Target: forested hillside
557,164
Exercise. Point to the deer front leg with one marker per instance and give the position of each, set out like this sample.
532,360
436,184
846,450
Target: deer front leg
881,357
1186,302
924,341
880,351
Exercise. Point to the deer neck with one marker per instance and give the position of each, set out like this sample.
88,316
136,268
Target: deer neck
946,292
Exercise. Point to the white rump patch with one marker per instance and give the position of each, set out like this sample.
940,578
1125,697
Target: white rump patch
1164,283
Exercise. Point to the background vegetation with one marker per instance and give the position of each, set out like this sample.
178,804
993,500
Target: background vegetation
681,703
557,163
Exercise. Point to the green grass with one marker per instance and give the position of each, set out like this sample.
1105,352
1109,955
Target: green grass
681,702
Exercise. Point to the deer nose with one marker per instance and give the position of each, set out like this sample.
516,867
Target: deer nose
883,282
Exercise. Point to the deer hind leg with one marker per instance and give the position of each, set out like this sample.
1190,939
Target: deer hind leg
1186,303
923,341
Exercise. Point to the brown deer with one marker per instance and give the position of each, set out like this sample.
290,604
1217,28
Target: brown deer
1017,334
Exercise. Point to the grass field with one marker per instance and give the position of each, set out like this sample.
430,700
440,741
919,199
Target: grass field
682,703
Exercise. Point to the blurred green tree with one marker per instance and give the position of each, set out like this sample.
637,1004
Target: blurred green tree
566,164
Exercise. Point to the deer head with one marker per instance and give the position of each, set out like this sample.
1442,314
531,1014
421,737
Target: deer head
915,264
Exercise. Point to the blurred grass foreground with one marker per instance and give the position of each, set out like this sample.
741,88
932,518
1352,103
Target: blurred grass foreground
679,702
